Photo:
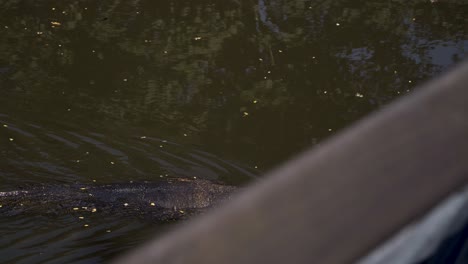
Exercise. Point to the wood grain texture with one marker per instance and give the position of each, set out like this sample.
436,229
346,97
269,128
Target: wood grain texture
337,201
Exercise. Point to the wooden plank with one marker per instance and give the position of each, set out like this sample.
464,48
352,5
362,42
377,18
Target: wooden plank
337,201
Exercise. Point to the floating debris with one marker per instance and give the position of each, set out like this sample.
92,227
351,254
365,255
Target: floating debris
108,231
337,24
197,38
5,125
112,163
246,114
359,95
86,225
80,217
11,139
93,210
143,137
152,204
125,204
76,208
55,23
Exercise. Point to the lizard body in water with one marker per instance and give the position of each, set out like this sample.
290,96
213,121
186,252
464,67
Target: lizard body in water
168,199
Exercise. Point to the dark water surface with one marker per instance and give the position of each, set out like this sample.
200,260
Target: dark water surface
112,91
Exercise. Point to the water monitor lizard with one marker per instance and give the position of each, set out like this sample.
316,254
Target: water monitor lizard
168,199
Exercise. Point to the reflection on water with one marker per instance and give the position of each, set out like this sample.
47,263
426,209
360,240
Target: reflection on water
129,90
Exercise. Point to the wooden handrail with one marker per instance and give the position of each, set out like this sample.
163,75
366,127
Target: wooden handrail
338,201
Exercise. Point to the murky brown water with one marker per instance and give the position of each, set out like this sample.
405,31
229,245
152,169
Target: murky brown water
133,90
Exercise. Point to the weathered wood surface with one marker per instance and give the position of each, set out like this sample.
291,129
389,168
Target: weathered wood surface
337,201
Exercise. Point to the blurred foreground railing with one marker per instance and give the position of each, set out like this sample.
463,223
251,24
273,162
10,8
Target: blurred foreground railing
338,201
